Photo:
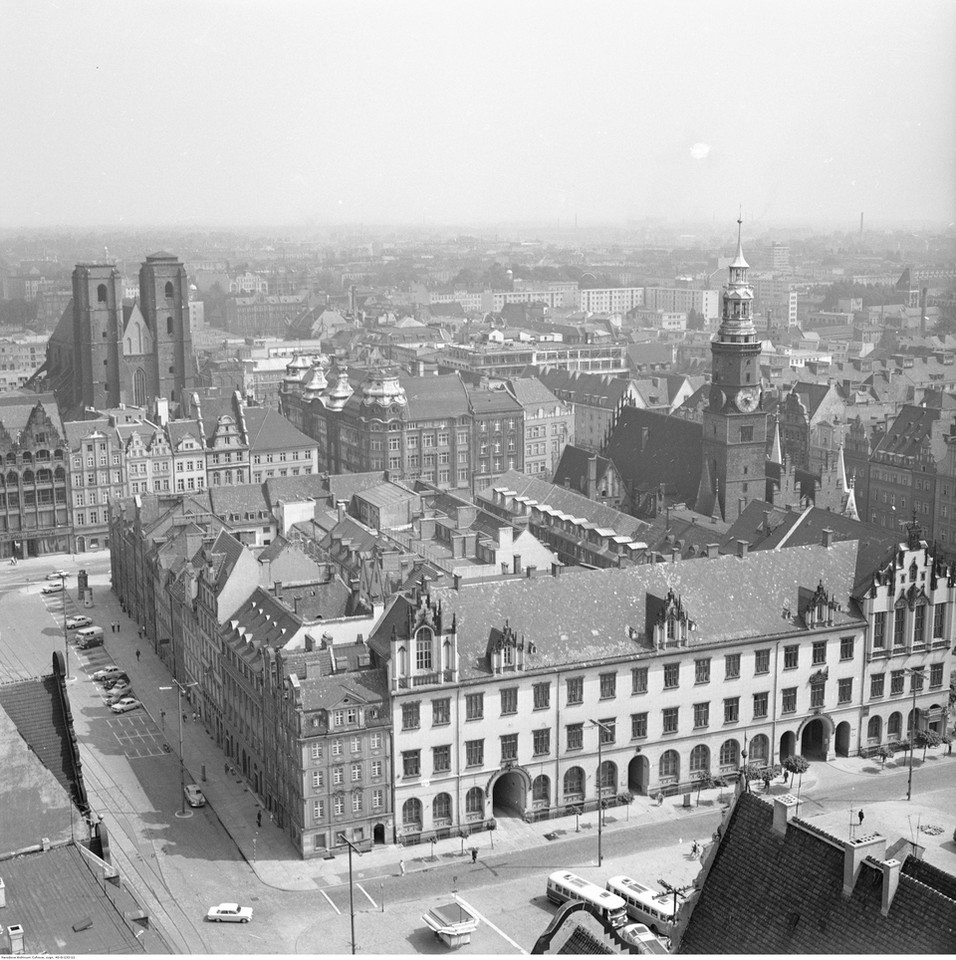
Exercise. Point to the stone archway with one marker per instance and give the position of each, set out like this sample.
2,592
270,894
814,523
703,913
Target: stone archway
842,739
814,740
788,745
378,833
508,791
639,775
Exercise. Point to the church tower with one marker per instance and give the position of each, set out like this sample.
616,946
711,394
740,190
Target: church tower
97,328
164,300
734,447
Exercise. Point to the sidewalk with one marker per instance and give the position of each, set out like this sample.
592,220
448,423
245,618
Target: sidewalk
268,849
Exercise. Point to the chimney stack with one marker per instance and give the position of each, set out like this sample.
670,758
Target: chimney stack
828,538
891,880
855,852
713,551
742,549
556,569
783,809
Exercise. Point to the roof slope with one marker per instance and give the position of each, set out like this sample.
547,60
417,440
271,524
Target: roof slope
801,907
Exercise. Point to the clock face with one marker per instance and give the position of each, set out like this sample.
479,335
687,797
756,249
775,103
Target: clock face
717,398
748,399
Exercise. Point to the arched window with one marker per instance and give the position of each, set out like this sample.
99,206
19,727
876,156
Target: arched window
760,749
607,777
670,765
169,289
441,807
446,655
57,454
11,457
574,784
874,729
28,476
700,759
541,789
101,293
475,801
12,477
423,649
139,387
59,474
894,725
169,325
27,456
729,754
44,476
912,720
402,661
412,813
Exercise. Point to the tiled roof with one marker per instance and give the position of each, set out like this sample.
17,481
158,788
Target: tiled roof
573,467
430,398
240,498
593,389
305,486
906,434
269,430
589,616
567,501
801,907
492,401
343,485
654,450
531,392
78,430
324,691
177,429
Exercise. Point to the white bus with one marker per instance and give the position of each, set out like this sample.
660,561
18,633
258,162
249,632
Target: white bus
564,886
647,905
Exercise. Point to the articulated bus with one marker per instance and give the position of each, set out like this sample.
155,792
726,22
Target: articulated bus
647,905
564,886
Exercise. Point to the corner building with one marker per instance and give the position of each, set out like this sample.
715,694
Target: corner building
500,690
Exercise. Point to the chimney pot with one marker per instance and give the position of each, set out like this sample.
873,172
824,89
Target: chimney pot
742,548
713,550
855,852
891,880
828,538
783,809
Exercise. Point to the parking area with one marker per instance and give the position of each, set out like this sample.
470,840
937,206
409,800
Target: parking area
138,735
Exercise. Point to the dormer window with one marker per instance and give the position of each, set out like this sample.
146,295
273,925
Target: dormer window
423,649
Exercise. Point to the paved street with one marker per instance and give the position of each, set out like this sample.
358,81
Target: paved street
182,865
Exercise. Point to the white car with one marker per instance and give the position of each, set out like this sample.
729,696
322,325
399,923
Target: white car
57,575
125,705
640,936
75,623
52,587
194,795
229,913
107,672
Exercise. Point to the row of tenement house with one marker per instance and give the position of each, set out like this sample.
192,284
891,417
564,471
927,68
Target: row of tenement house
445,703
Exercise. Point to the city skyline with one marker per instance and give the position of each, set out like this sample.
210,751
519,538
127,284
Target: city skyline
294,114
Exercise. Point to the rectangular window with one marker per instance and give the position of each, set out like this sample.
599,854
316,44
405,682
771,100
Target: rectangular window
746,434
376,769
899,627
474,706
542,742
338,775
336,748
762,662
317,779
638,726
316,751
935,674
897,679
702,671
474,753
441,759
575,690
846,648
357,801
670,719
411,715
356,772
411,763
760,706
789,703
509,746
818,694
375,741
819,652
509,700
338,805
844,690
607,730
732,666
638,680
877,682
608,685
919,624
701,715
731,709
791,657
378,799
671,675
441,712
916,680
542,696
939,619
318,809
575,734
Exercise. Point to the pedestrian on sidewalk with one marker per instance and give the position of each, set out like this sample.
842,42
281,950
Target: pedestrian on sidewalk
474,854
185,718
766,783
137,656
195,716
259,818
401,867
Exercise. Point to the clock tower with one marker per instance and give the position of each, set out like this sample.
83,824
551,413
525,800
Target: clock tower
734,450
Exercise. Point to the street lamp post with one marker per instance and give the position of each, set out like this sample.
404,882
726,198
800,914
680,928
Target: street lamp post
66,636
602,729
344,839
180,687
917,684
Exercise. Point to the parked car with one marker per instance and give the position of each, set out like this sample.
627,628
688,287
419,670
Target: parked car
124,705
90,640
640,936
75,623
109,672
122,689
58,575
230,912
52,587
194,795
114,696
116,680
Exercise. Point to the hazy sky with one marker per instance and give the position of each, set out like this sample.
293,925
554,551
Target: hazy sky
303,111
